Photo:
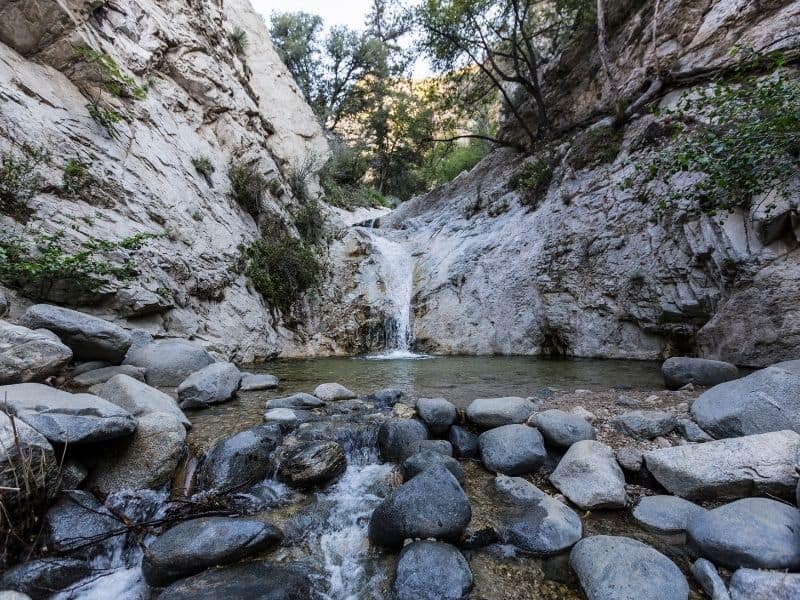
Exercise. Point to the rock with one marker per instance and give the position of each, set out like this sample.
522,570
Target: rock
437,413
691,431
582,412
288,418
679,371
705,573
169,362
431,505
620,568
89,337
512,449
665,514
496,412
432,571
213,384
768,400
311,464
20,446
631,460
75,521
255,382
403,411
299,400
4,305
65,418
26,355
399,438
98,376
239,460
464,443
386,397
140,399
645,424
533,521
73,474
590,477
562,429
194,546
419,462
11,595
439,446
330,392
729,469
41,578
91,365
757,533
748,584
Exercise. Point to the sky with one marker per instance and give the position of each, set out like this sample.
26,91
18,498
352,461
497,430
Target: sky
334,12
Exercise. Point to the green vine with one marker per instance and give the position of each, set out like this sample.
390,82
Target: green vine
116,83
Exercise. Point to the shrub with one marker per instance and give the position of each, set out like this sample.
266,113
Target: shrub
351,197
203,165
532,180
449,161
247,186
105,117
76,176
20,180
310,222
238,39
596,146
107,71
299,175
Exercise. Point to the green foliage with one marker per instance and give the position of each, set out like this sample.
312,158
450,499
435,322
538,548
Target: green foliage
310,222
342,179
247,186
532,180
105,117
204,166
446,161
596,146
76,176
20,180
106,69
238,40
299,174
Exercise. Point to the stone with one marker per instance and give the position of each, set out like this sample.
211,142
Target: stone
464,443
437,413
99,376
76,521
728,469
21,446
194,546
496,412
169,362
756,533
631,459
748,584
331,392
41,578
665,514
29,356
419,462
582,412
439,446
91,365
140,399
691,432
402,410
512,449
590,477
256,382
213,384
11,595
765,401
4,305
90,338
73,474
431,505
679,371
288,418
562,429
386,397
239,460
311,464
65,418
645,424
532,521
432,571
399,438
705,573
299,400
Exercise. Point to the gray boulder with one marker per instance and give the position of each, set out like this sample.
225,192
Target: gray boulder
432,571
65,418
748,584
386,397
666,514
400,438
91,365
27,355
89,337
437,413
5,306
645,424
705,573
463,442
254,382
140,399
620,568
100,376
169,362
562,429
756,533
431,505
213,384
439,446
512,449
288,418
496,412
79,524
42,578
194,546
681,370
729,469
590,477
299,400
239,460
311,464
692,432
419,462
331,392
21,445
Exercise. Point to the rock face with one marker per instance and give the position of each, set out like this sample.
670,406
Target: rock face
399,438
169,362
312,464
747,584
512,449
562,429
432,571
590,477
496,412
437,413
140,399
211,385
680,370
645,424
238,460
666,514
29,356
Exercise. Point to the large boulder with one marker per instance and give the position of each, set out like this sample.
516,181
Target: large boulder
437,413
512,449
620,568
28,464
239,460
679,371
464,443
562,429
311,464
79,524
590,477
749,584
194,546
421,461
65,418
254,382
431,505
756,533
27,355
331,392
42,578
213,384
169,362
300,400
645,424
729,469
432,571
400,438
496,412
140,399
89,337
666,514
767,400
99,376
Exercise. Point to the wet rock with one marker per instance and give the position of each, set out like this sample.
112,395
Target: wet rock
705,573
562,429
729,469
288,418
11,595
590,477
213,384
399,438
21,445
194,546
140,399
89,338
65,418
748,584
665,514
439,446
29,356
620,568
386,397
78,524
239,460
437,413
169,362
464,443
431,505
311,464
255,382
691,431
533,521
512,449
419,462
331,392
767,400
645,424
432,571
756,533
98,376
496,412
681,370
299,400
40,579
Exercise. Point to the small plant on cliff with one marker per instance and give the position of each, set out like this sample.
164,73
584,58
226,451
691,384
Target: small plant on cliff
105,117
247,186
596,146
76,176
20,180
107,71
238,39
310,222
204,166
532,180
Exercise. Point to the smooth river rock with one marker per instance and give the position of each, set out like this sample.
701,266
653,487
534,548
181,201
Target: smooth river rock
590,477
463,442
213,384
400,438
496,412
311,464
419,462
645,424
77,523
239,460
169,362
512,449
299,400
331,392
681,370
432,571
29,356
706,574
255,382
437,413
100,376
665,514
562,429
41,578
140,399
749,584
